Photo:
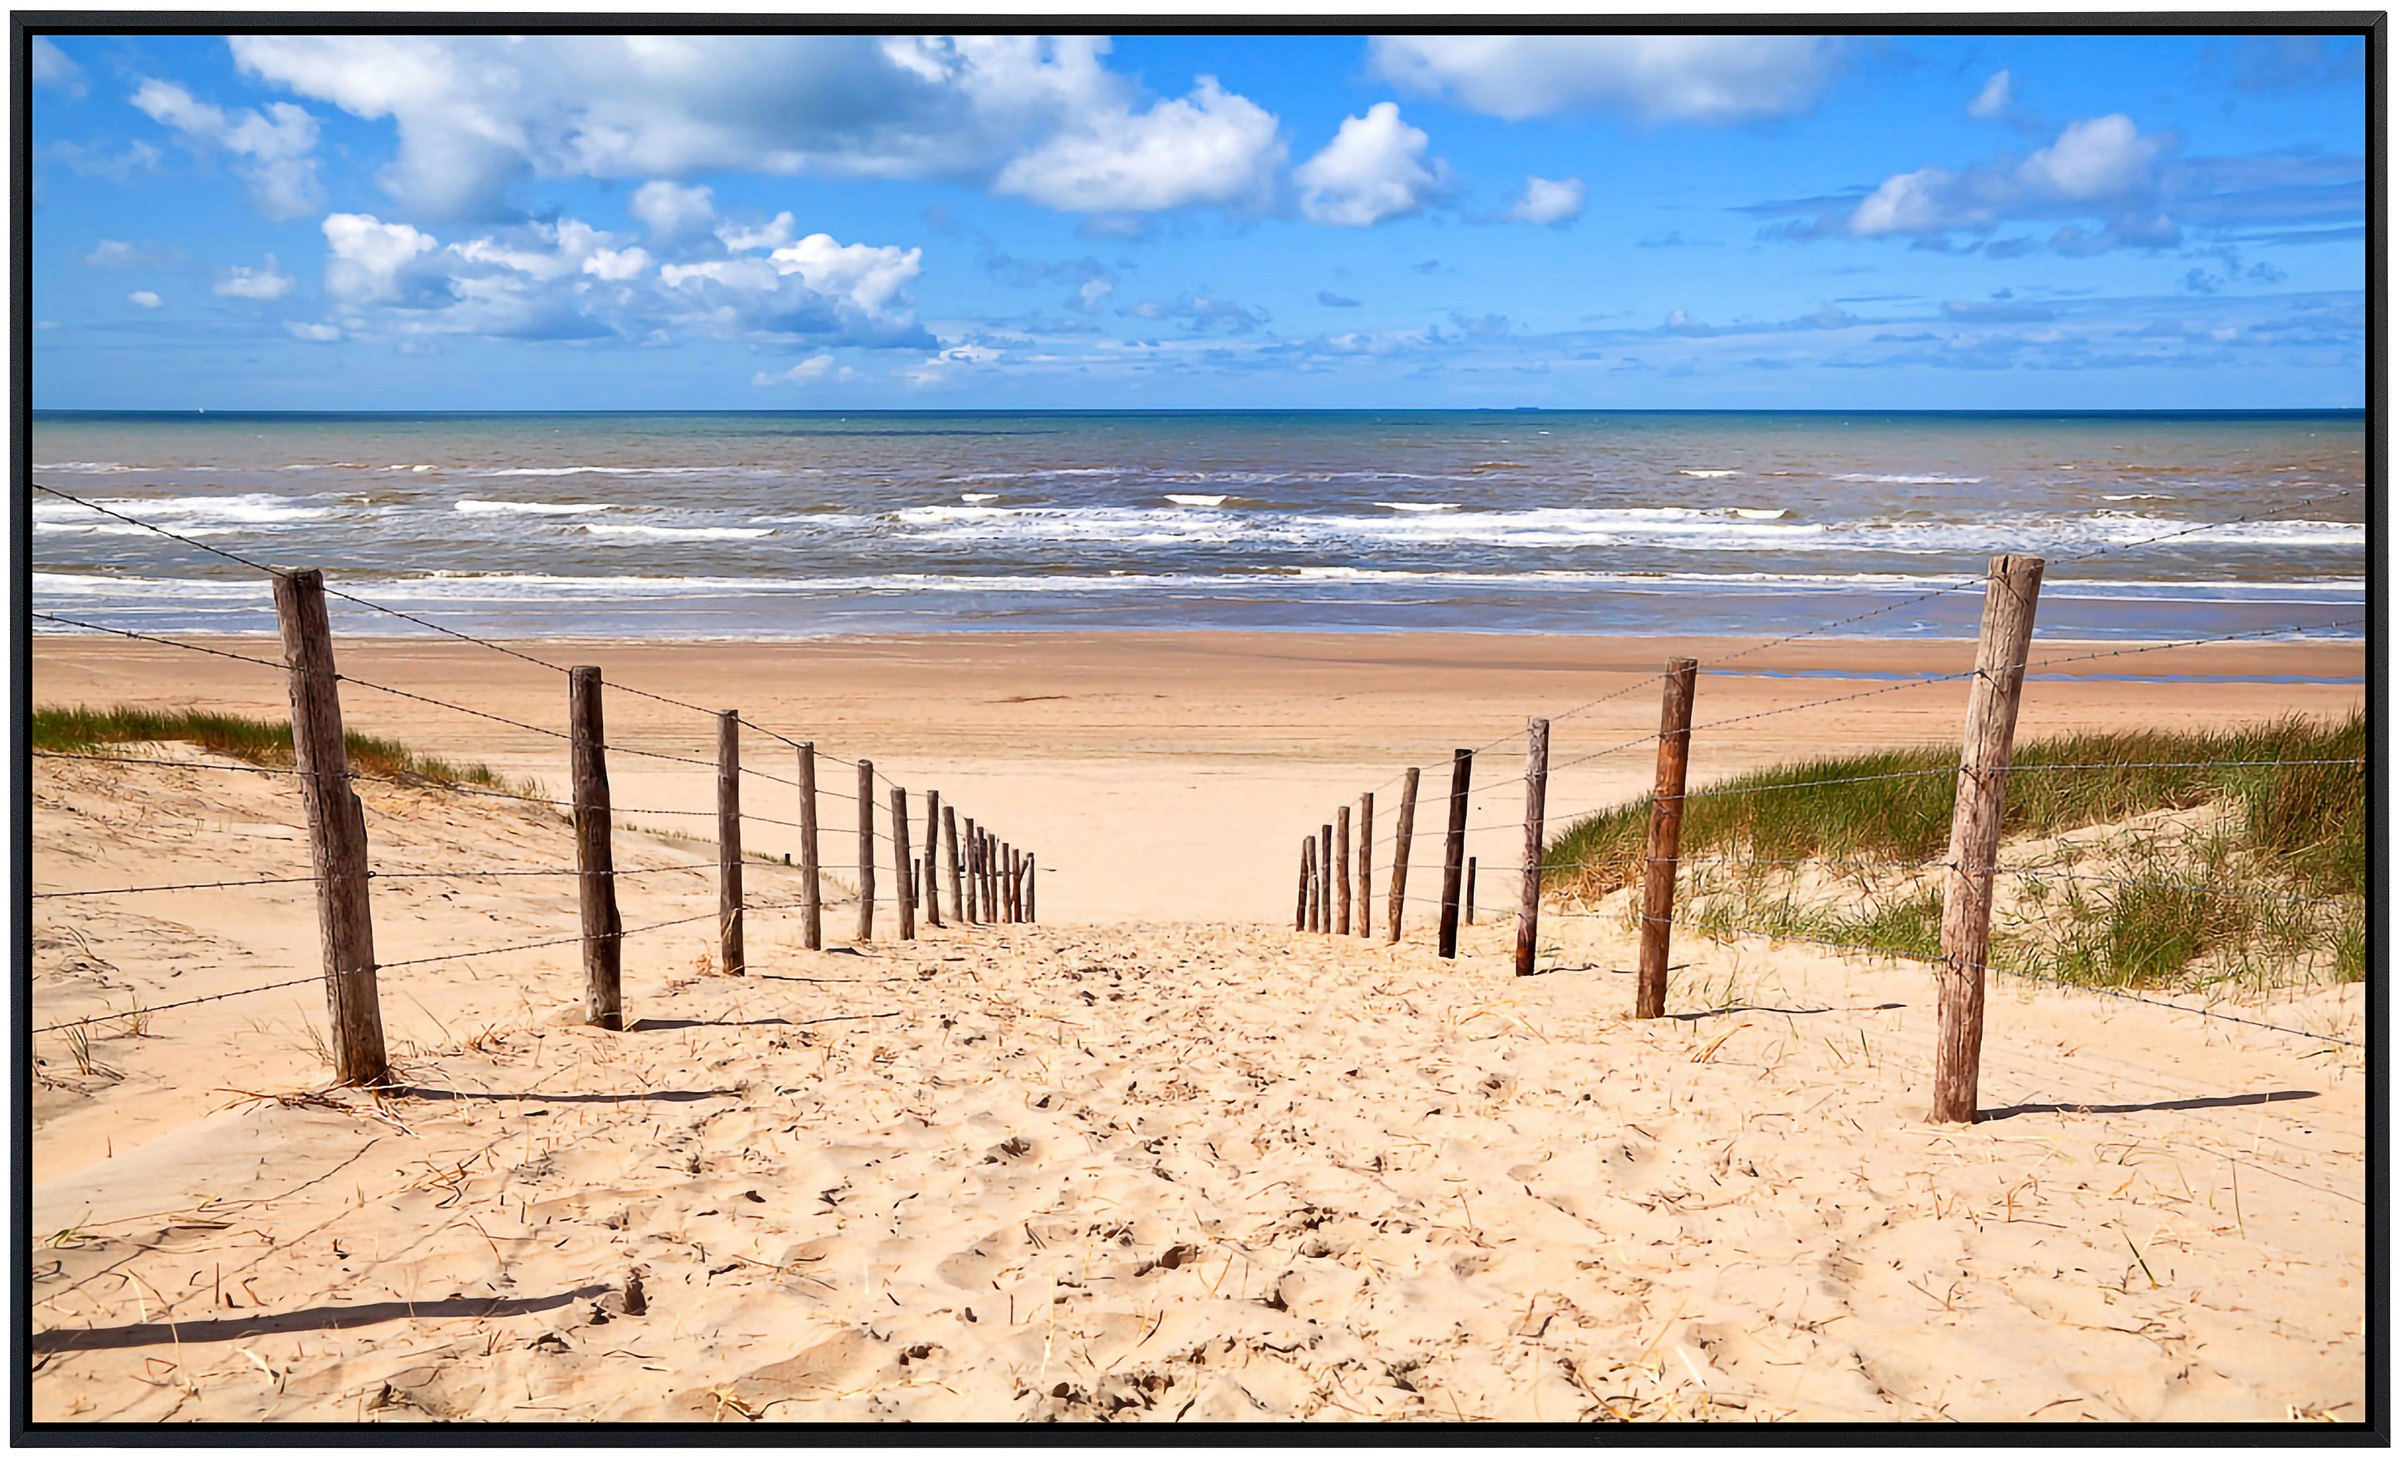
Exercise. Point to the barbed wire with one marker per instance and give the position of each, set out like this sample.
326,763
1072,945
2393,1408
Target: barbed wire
186,1002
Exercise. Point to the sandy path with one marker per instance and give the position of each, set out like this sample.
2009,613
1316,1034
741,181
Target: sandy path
1144,1171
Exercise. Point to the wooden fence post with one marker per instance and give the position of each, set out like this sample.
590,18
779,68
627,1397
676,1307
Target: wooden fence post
1467,902
866,850
1666,835
1033,871
903,866
1008,883
1537,785
1341,871
729,841
2009,596
1328,873
933,841
812,906
1402,834
1308,852
958,904
1366,864
337,829
595,855
972,842
1454,849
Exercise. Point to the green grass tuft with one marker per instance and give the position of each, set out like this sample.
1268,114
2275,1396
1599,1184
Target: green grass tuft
253,741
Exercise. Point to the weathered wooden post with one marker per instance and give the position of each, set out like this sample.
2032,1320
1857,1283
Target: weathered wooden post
1008,884
595,855
933,841
1033,871
729,841
1366,864
971,846
1537,785
337,829
903,866
1327,873
1308,853
958,904
866,850
1665,845
1454,850
1467,903
2009,596
1402,834
1341,871
812,907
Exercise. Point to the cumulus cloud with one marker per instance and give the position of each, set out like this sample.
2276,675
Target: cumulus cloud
55,68
271,148
2103,180
1210,147
751,238
1374,168
1695,78
671,212
267,281
566,279
313,333
143,298
949,364
1038,117
1202,312
1993,99
1547,202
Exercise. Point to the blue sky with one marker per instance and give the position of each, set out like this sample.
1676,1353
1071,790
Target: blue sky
2013,222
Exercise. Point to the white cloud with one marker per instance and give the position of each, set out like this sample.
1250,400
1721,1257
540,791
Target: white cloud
671,212
272,147
774,233
2100,167
475,114
368,255
1088,297
862,275
313,333
615,265
54,67
569,280
1993,99
1697,78
1373,169
1545,201
116,253
949,363
2105,156
1211,147
143,298
810,371
266,282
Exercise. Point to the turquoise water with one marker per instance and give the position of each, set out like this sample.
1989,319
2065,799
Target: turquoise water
798,525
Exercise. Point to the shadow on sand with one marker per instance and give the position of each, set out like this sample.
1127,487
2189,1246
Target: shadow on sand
2221,1101
313,1318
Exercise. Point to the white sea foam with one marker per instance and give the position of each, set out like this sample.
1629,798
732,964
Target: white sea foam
1907,480
190,514
1707,475
681,534
1418,505
977,498
1760,513
529,508
1186,500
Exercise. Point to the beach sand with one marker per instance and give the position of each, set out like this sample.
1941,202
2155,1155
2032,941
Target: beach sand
1159,1157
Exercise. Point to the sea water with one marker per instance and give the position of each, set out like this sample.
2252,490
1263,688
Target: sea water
789,525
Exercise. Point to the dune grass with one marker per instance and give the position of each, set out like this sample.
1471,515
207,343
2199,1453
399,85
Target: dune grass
2264,882
253,741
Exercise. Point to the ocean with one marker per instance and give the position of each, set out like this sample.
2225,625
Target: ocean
795,525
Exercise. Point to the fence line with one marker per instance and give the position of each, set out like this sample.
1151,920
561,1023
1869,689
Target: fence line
323,774
1981,773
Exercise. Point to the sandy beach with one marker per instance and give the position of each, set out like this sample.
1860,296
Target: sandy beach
1159,1157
